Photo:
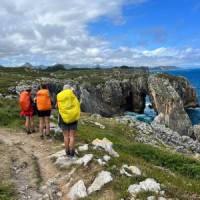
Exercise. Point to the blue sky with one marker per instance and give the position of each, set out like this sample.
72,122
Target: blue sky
152,24
114,32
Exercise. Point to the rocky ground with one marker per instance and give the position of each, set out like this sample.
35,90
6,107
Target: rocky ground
39,169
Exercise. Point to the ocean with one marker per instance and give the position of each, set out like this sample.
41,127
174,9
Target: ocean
193,75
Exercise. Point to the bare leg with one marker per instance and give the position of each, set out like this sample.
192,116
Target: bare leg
66,141
32,123
47,125
72,139
27,124
41,125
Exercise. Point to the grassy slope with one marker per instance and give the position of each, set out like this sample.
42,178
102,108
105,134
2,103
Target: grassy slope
178,174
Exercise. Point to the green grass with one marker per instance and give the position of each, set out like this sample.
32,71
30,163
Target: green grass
178,173
6,192
10,114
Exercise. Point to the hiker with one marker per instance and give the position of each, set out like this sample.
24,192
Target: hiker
44,107
69,114
27,110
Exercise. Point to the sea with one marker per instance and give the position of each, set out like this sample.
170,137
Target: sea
193,75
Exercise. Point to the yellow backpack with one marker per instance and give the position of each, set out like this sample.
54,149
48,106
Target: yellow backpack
68,106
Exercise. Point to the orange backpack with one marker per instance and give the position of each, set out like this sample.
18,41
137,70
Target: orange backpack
25,101
43,100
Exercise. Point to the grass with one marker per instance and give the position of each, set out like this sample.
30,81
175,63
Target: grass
10,114
6,192
178,174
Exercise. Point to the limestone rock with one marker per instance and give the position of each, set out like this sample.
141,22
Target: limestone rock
106,158
169,105
64,162
101,179
78,191
130,170
85,159
83,147
58,154
149,185
196,129
101,162
106,145
101,126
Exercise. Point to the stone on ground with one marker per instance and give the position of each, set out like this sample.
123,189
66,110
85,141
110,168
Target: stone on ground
77,191
83,147
85,159
101,179
106,145
149,185
130,171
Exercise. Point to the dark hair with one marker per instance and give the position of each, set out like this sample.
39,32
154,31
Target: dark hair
43,86
28,90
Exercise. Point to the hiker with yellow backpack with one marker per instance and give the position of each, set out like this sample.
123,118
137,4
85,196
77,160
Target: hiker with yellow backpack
27,110
44,106
69,114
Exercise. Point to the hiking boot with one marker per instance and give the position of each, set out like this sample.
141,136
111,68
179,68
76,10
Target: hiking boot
42,137
33,131
72,153
28,132
67,152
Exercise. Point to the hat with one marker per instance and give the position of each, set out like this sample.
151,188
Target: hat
67,86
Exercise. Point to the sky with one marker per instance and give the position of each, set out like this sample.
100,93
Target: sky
100,32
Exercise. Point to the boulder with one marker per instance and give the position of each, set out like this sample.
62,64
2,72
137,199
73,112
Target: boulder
85,159
130,171
102,178
77,191
106,145
83,147
149,185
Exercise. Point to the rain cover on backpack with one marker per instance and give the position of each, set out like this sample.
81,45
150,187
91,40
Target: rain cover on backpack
43,100
24,100
68,106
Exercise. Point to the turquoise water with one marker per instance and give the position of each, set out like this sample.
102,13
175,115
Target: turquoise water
193,75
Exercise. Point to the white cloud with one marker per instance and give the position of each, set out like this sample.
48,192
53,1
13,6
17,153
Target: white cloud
50,31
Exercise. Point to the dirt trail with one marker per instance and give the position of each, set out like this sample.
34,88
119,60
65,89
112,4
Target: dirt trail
30,166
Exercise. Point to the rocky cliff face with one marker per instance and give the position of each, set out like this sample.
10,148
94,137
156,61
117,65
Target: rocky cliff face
125,90
169,105
183,87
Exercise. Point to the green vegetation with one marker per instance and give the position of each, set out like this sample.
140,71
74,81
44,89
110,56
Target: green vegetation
10,113
6,193
178,174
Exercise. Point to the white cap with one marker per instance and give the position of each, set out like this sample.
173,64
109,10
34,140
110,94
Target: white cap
67,86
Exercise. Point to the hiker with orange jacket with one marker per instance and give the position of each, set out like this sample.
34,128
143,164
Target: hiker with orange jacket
44,107
27,110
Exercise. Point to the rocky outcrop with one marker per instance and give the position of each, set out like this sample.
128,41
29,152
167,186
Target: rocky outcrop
184,89
115,96
123,91
169,105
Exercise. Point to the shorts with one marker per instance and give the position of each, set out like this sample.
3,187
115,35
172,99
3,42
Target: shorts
29,113
67,127
44,113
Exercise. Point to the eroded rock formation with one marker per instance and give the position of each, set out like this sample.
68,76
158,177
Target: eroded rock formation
169,105
126,91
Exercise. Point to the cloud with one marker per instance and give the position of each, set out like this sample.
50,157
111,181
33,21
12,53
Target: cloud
49,31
